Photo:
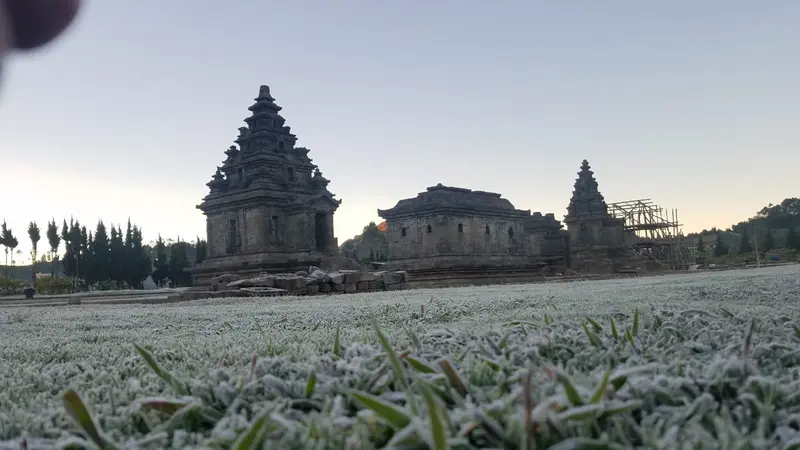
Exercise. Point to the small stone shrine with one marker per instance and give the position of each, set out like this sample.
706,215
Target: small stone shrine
268,208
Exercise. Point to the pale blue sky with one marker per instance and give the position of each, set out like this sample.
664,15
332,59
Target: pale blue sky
693,104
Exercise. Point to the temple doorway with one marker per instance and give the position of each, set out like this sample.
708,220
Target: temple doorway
321,231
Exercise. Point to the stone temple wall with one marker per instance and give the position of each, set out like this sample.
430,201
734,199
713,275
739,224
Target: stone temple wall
262,228
445,235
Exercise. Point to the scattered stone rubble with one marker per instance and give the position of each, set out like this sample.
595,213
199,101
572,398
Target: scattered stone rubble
311,282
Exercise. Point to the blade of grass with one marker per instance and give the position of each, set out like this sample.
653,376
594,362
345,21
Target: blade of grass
595,325
311,384
80,414
413,338
177,385
614,329
397,367
436,417
636,323
454,378
569,389
419,365
337,344
593,339
601,388
580,413
169,406
253,438
394,415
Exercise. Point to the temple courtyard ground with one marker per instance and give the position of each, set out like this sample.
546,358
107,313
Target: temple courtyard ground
661,362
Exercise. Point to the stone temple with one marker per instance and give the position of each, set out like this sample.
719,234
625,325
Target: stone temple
268,208
596,238
460,235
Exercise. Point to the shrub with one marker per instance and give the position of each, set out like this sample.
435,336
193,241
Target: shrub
53,285
10,286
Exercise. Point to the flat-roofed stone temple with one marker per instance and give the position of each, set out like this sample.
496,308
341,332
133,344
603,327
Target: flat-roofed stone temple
457,233
268,208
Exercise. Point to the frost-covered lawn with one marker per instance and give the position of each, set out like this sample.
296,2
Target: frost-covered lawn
712,358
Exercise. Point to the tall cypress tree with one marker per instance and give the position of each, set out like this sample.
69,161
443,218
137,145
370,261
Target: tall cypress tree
178,261
54,240
101,254
201,251
117,256
161,263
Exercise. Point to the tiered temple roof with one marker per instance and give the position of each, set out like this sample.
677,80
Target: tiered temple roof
586,201
442,199
265,158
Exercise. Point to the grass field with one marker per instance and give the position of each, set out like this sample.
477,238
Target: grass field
663,362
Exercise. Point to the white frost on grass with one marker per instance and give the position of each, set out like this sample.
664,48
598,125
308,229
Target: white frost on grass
693,325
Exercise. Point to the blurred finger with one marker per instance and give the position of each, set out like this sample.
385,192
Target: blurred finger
37,22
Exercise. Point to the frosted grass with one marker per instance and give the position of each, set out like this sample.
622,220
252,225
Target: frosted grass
719,354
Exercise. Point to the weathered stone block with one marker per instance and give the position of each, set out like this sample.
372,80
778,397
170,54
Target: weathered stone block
312,269
363,286
320,275
301,273
378,284
352,277
337,288
395,287
291,283
393,277
336,277
311,281
312,289
349,288
368,276
262,291
263,281
225,278
324,288
225,293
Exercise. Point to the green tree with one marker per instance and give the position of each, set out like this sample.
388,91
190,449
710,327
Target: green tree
769,241
178,261
701,251
117,256
54,240
35,236
83,250
69,262
793,239
5,239
12,244
161,263
101,254
201,251
744,245
720,249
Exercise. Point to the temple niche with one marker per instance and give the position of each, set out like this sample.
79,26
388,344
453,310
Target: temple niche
268,206
461,233
596,238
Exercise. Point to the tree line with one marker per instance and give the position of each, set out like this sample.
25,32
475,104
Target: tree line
774,227
107,257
